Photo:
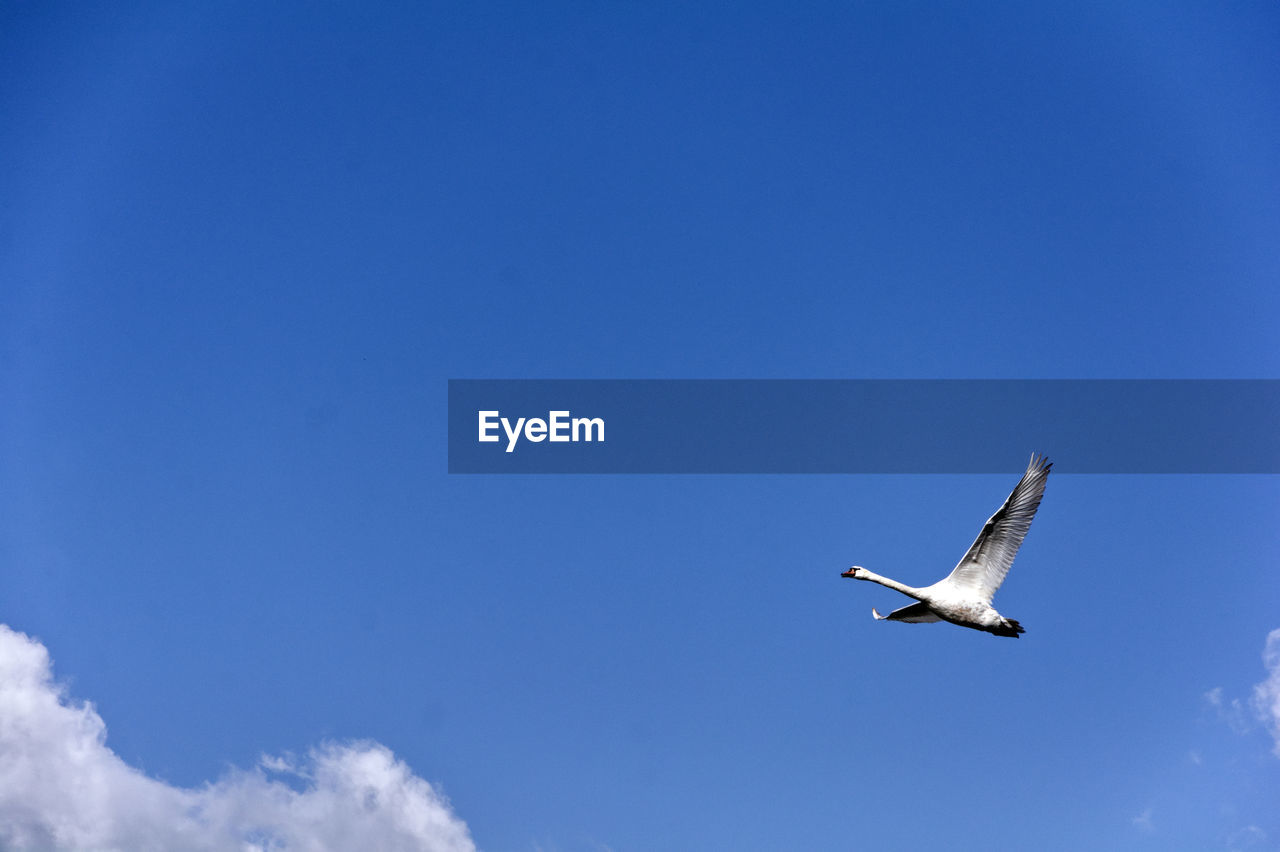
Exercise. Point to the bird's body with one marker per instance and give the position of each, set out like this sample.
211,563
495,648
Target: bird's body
964,596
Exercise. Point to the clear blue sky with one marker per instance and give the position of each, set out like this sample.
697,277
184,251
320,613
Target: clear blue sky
242,249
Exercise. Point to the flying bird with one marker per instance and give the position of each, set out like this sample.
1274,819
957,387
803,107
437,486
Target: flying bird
963,597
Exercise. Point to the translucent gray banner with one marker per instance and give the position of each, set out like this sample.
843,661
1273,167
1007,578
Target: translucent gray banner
862,426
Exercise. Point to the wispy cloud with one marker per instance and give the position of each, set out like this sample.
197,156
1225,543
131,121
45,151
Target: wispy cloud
1249,837
62,788
1231,711
1143,821
1264,704
1266,695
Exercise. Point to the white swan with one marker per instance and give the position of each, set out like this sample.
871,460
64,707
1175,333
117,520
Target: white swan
964,596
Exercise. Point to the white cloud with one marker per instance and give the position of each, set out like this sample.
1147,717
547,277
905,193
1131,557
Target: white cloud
1265,704
1266,695
1232,712
61,788
1143,821
1248,837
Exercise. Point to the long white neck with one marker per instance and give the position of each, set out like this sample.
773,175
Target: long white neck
909,591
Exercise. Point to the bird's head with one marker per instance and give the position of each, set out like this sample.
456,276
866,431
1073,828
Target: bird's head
856,572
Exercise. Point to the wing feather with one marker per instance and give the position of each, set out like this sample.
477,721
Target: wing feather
916,613
984,567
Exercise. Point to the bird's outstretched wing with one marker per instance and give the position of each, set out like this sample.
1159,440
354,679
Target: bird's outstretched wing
984,567
916,613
